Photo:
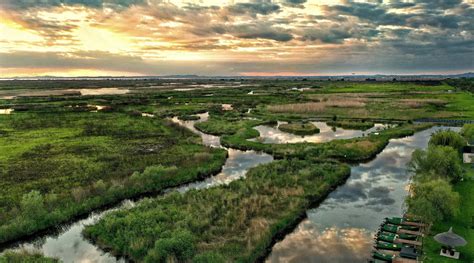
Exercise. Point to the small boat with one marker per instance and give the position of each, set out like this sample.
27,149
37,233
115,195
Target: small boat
394,228
403,221
402,236
390,228
383,256
388,246
386,236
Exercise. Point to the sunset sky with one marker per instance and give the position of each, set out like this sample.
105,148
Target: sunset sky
211,37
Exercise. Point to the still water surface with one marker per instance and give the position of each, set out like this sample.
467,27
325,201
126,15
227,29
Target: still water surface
341,229
271,134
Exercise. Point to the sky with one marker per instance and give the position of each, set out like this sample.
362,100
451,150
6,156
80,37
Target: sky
231,37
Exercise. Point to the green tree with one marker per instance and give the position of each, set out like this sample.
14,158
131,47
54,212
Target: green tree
447,138
436,162
468,132
433,200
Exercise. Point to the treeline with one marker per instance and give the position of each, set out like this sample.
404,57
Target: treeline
466,84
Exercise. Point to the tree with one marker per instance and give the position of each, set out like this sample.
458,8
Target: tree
433,200
468,132
447,138
436,162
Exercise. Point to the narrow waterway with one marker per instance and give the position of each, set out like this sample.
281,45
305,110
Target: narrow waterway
271,134
67,242
342,228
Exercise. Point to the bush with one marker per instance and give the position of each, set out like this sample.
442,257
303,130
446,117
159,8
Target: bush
32,205
433,200
436,162
180,246
468,132
448,138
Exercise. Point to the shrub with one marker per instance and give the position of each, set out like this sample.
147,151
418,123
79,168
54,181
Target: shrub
433,200
180,246
32,205
448,138
436,162
468,132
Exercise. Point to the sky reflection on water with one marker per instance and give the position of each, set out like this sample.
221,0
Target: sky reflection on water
374,191
269,134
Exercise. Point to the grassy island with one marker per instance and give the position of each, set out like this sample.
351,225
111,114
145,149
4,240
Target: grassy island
354,125
299,128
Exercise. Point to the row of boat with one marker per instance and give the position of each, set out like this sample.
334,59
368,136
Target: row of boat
398,240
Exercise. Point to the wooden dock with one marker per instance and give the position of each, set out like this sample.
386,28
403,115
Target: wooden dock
414,224
404,231
408,242
403,260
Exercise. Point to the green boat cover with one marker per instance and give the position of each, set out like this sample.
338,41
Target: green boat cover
394,228
402,236
388,238
390,228
388,246
383,256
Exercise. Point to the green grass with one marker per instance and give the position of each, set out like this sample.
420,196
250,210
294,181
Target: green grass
25,256
349,150
356,125
222,126
81,161
299,128
234,223
463,224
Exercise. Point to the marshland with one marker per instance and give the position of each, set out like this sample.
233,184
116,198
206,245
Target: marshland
220,169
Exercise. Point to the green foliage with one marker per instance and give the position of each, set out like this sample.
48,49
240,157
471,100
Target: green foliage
468,132
462,224
299,128
448,138
209,257
82,161
228,223
180,245
433,200
32,205
221,126
436,162
357,125
25,256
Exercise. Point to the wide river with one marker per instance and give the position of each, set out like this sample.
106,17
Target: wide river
339,230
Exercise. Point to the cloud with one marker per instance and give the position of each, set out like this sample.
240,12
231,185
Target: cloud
21,4
294,3
253,9
251,36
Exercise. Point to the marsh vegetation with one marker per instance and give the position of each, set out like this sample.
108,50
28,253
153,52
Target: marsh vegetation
61,157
